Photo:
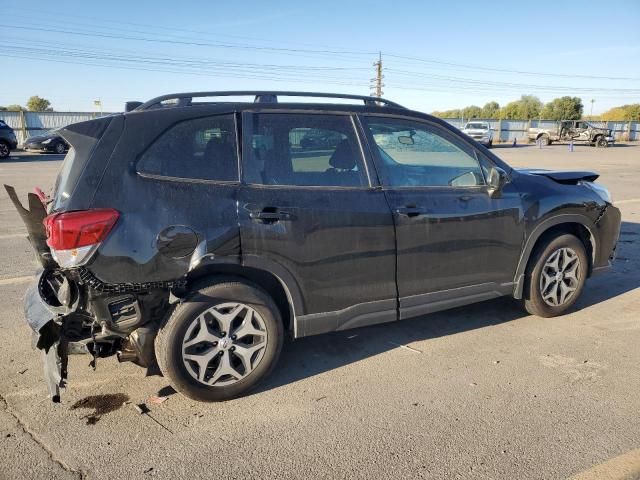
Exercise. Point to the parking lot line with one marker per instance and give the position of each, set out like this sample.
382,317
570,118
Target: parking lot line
13,235
630,200
15,280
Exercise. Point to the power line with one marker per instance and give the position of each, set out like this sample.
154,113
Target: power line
324,52
506,70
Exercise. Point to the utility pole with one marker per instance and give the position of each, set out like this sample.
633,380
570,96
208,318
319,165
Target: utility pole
377,84
591,114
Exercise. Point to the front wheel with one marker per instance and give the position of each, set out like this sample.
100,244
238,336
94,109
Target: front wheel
60,148
545,140
555,276
221,342
601,142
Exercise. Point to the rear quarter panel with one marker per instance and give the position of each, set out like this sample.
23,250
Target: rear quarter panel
150,206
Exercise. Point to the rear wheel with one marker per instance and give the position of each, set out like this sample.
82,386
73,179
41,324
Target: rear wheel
555,276
221,342
490,144
544,139
4,150
60,148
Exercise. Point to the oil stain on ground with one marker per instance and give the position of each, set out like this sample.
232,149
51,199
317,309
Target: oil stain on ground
101,405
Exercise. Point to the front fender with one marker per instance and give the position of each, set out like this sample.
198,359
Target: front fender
538,231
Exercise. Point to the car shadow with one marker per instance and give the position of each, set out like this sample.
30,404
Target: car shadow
312,356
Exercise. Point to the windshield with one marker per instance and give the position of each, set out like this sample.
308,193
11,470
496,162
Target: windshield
477,126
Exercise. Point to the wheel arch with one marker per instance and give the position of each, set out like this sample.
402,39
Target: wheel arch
575,224
285,294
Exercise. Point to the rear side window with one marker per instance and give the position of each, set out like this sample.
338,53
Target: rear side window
203,148
303,150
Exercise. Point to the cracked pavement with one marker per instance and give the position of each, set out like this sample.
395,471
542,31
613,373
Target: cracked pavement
485,391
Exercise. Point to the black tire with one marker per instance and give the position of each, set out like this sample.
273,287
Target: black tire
490,144
5,149
544,140
601,142
533,300
60,148
168,343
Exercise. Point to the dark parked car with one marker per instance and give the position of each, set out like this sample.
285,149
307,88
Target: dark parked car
195,234
48,142
8,140
315,138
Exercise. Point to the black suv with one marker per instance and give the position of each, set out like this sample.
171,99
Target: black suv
8,140
200,234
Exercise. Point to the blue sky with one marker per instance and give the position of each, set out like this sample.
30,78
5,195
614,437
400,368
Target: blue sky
436,55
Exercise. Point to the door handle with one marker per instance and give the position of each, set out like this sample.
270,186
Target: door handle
410,211
271,215
465,198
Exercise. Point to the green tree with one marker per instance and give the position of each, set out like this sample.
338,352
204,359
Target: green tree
455,113
38,104
471,111
624,112
528,107
490,110
563,108
14,108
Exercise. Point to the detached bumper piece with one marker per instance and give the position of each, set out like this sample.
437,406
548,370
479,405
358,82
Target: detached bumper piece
46,322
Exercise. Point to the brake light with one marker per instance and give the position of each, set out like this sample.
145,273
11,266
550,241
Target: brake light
74,236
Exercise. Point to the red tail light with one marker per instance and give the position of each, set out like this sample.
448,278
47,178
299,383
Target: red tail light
70,230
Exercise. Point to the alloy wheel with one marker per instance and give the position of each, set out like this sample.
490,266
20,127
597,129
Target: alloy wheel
4,150
224,344
560,277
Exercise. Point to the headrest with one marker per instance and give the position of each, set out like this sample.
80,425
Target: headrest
343,158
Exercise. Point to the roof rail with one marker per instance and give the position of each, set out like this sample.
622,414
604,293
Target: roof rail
261,96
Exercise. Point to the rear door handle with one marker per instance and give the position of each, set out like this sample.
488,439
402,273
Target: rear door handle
410,211
271,215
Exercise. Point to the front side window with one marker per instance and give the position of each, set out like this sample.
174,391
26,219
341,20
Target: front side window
303,150
412,154
202,148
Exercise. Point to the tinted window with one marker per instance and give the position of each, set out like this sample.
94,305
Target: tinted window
204,148
413,154
304,150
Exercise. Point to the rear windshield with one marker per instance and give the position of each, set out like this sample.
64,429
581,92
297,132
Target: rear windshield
82,139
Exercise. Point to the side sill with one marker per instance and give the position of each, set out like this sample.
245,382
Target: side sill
417,305
360,315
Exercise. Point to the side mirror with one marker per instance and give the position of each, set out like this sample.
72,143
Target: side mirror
496,181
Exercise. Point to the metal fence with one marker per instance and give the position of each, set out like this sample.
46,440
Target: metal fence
508,130
28,124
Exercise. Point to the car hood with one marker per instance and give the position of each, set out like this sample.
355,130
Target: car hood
570,177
